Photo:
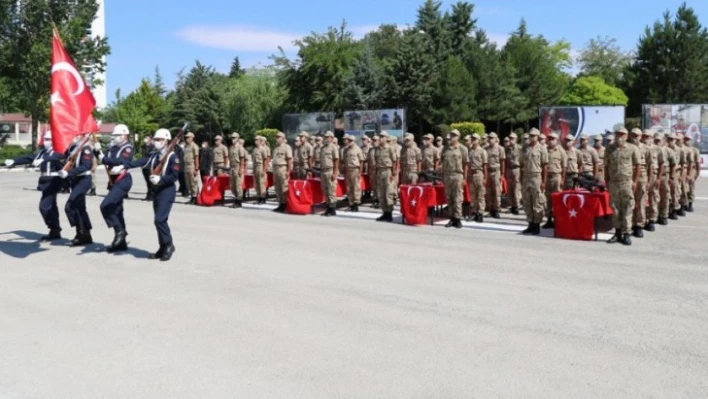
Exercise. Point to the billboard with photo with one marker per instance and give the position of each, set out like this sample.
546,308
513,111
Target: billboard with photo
370,122
574,121
689,119
316,124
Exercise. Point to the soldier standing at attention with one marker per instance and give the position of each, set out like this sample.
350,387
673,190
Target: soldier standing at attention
680,157
303,157
411,159
261,163
397,176
513,173
525,138
439,147
534,163
237,161
695,172
662,190
366,146
317,150
431,156
206,160
687,170
600,175
455,159
477,178
622,170
542,141
191,165
329,158
387,166
589,158
371,171
282,165
353,161
652,168
366,140
221,156
574,164
672,170
640,192
555,175
496,157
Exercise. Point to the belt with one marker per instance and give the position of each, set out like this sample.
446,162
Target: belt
571,173
84,174
493,170
476,171
327,170
280,166
120,176
554,173
50,174
514,167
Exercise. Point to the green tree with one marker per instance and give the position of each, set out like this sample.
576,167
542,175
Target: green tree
433,23
26,46
602,57
455,95
365,87
236,70
197,100
460,26
384,43
593,90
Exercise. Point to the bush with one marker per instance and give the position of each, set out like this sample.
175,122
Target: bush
441,130
13,151
631,123
269,134
466,128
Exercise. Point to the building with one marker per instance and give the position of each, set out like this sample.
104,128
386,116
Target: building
18,128
98,29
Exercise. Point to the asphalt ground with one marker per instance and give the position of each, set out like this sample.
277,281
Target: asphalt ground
262,305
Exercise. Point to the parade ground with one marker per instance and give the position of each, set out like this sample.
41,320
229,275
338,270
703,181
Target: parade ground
256,304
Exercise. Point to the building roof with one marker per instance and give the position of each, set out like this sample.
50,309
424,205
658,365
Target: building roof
105,128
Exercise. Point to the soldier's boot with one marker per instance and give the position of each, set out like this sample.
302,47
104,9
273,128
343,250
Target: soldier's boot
649,226
54,234
148,197
119,243
514,210
471,217
495,214
450,223
689,208
167,254
236,204
375,204
536,229
92,192
193,201
672,215
78,234
355,208
681,212
458,223
637,232
529,229
158,254
328,212
480,218
549,224
83,238
626,240
662,221
332,211
615,238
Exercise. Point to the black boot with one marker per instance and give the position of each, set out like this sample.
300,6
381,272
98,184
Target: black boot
514,210
549,224
672,215
236,204
332,211
637,232
76,237
159,253
92,192
83,238
375,205
681,212
615,238
119,243
529,229
480,218
662,221
192,201
626,240
536,229
54,234
450,223
355,208
167,254
382,218
650,226
458,223
689,208
495,214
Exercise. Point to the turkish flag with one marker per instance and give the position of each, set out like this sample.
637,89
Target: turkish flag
72,102
299,197
415,201
574,214
211,191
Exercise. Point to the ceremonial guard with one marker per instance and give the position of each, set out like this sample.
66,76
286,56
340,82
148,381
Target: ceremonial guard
164,189
50,184
261,163
353,161
477,179
555,175
622,171
80,177
329,162
282,165
303,157
411,159
238,163
513,174
496,157
118,158
191,168
387,166
454,160
534,164
148,148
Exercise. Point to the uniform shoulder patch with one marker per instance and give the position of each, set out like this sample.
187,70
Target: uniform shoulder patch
128,150
87,150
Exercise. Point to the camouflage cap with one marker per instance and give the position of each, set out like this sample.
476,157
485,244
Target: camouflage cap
439,138
553,136
492,135
569,137
280,134
513,136
318,138
647,133
190,134
428,136
610,137
455,132
584,137
658,136
347,137
687,137
366,138
218,137
534,132
383,133
671,136
636,132
234,135
409,136
525,136
598,137
621,130
303,134
258,138
329,134
468,138
476,137
679,136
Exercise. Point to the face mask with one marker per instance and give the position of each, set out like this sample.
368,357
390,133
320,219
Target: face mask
182,146
48,145
621,141
204,146
159,145
117,140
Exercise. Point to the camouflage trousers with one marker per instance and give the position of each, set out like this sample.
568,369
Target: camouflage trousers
354,185
654,198
684,191
692,188
260,181
385,189
409,177
664,197
280,181
191,180
236,182
329,187
554,184
676,191
601,174
454,195
373,182
475,186
301,172
569,180
622,200
514,186
534,199
640,200
494,190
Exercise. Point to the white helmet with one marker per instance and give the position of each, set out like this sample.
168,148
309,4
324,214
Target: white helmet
162,134
47,135
120,130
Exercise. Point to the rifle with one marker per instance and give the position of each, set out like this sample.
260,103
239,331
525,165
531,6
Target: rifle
316,172
75,154
433,177
588,182
178,136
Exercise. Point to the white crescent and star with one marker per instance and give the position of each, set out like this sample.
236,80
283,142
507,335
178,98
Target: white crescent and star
65,66
420,190
573,213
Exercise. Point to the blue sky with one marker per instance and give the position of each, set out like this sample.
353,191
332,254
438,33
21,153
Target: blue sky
173,34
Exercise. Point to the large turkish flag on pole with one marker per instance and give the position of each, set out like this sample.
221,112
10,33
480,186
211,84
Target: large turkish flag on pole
72,102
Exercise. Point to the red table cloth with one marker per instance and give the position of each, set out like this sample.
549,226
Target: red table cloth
248,182
575,213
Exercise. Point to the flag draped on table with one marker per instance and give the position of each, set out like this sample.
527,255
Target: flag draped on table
299,197
415,201
575,214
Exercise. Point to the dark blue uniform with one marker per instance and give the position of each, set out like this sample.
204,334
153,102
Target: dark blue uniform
50,185
163,195
80,178
120,185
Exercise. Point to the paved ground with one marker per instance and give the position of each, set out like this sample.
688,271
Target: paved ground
256,304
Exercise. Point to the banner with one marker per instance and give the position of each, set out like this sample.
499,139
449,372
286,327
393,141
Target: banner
575,121
370,122
315,124
689,119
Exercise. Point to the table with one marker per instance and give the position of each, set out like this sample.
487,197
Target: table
576,213
249,182
316,187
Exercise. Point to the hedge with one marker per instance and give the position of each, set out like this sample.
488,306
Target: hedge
466,128
441,130
13,151
269,134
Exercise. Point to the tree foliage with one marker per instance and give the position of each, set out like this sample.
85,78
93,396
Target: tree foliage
592,90
603,57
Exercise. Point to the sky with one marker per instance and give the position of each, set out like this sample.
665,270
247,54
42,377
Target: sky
172,35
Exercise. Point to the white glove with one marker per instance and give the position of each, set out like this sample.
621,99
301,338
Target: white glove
100,157
154,179
63,174
9,162
37,162
116,169
97,147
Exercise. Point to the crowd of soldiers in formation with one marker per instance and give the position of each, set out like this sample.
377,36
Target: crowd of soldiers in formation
646,168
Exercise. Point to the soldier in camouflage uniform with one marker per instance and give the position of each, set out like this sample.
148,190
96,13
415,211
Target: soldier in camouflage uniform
371,171
411,159
589,158
431,155
574,165
477,179
316,152
353,161
676,184
304,154
282,165
238,162
622,171
555,175
600,149
687,170
261,162
497,158
696,171
665,171
513,174
387,167
329,158
454,160
641,193
534,164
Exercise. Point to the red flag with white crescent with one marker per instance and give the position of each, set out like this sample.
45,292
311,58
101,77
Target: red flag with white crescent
415,201
299,197
72,102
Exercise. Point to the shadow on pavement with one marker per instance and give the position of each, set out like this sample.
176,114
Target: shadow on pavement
101,248
18,247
